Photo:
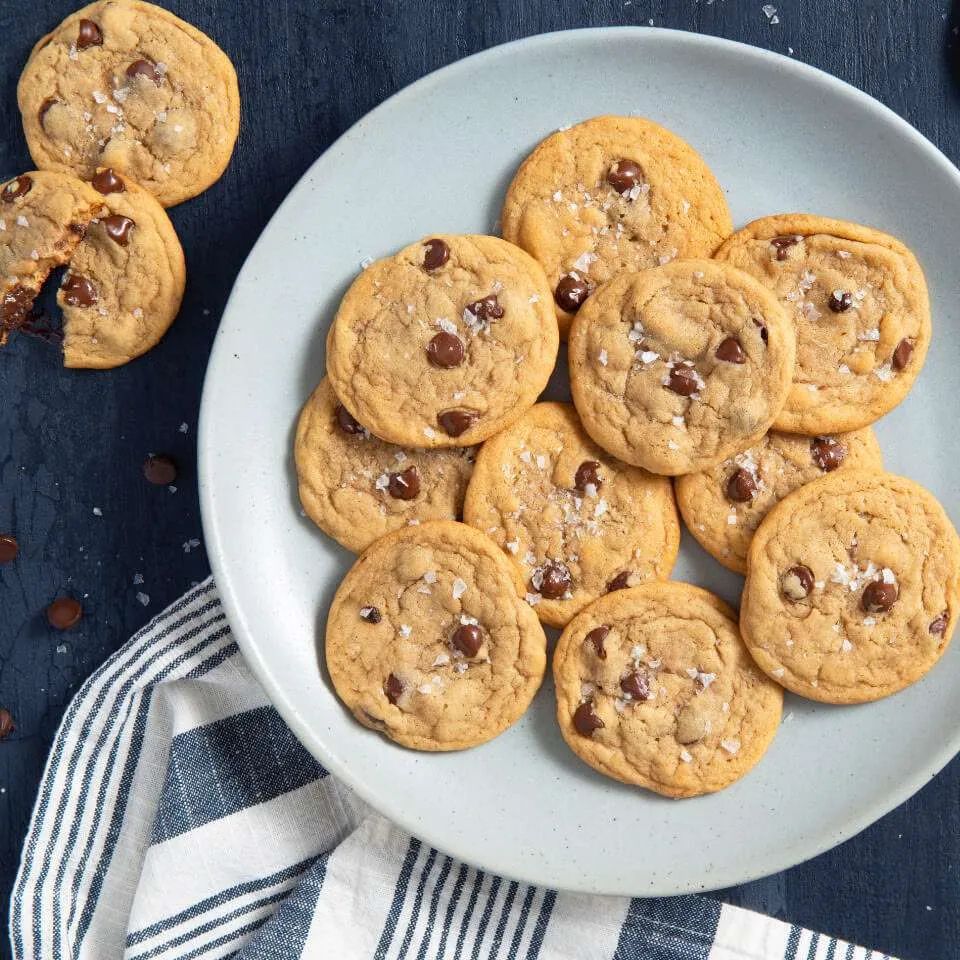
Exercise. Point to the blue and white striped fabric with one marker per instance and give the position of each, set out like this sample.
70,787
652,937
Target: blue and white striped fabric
179,818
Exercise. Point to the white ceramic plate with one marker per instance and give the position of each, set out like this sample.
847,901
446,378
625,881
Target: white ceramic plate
780,136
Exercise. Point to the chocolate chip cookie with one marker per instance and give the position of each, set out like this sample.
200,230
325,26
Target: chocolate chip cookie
674,369
655,688
126,278
357,488
445,343
128,85
858,300
428,641
724,505
609,195
576,522
43,215
853,587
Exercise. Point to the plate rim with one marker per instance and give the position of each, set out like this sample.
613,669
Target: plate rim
792,853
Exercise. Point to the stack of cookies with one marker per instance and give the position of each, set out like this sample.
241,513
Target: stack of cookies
735,373
127,110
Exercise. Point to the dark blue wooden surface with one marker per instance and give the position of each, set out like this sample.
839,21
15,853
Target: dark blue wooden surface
71,441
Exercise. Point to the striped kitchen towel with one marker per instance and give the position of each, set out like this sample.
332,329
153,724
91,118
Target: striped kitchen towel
179,818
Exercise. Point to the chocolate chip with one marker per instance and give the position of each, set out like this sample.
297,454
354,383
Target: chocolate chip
588,475
585,721
827,452
118,228
393,688
596,637
78,291
554,581
16,188
445,350
160,469
468,639
901,356
370,614
456,422
106,181
742,486
762,327
938,625
782,245
730,351
7,726
620,582
346,422
404,485
571,293
145,68
64,613
683,380
797,583
879,596
89,35
636,684
840,301
9,548
624,175
486,308
14,310
435,254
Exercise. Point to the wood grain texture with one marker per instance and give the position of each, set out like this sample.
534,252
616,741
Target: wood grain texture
71,441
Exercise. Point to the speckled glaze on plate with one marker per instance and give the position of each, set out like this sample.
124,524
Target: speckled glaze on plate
523,805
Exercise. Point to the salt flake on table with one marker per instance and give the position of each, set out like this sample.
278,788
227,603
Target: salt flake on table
144,598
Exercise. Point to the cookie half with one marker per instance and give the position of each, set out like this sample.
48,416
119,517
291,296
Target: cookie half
445,343
43,216
126,278
357,488
655,688
853,587
610,195
723,506
575,522
428,641
676,368
126,84
859,302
